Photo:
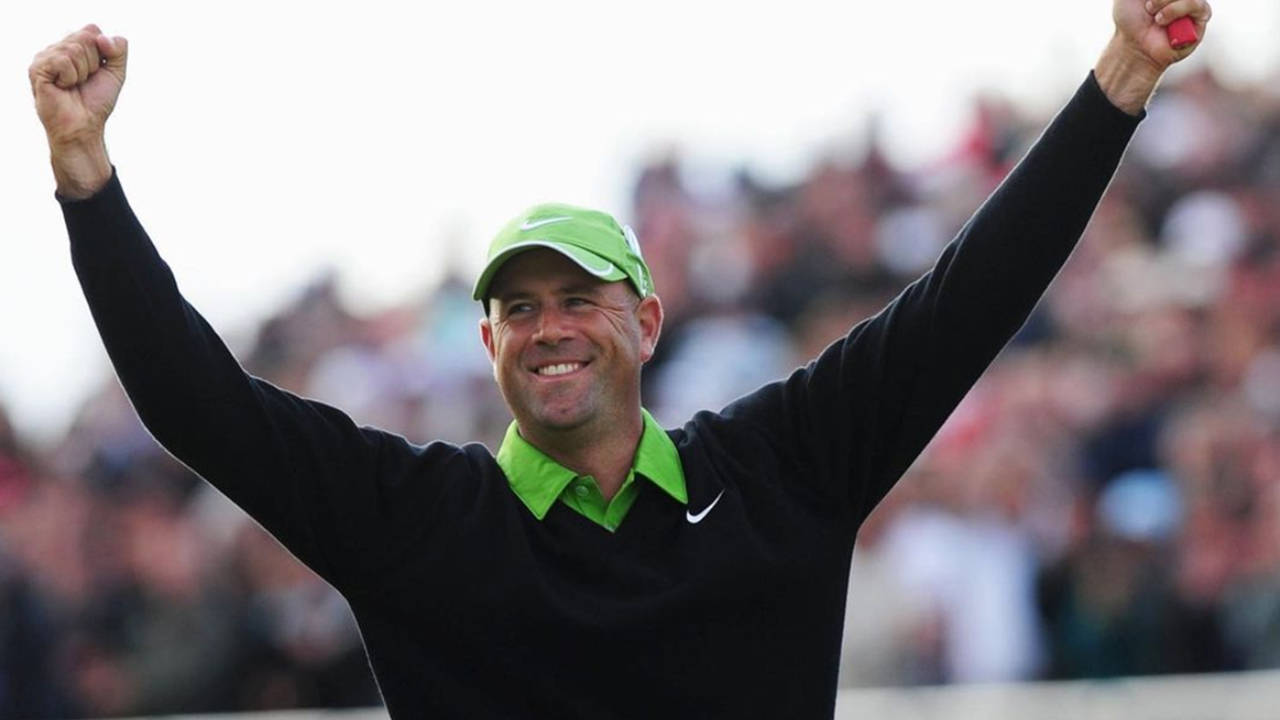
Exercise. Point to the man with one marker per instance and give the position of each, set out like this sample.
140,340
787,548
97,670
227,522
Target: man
598,566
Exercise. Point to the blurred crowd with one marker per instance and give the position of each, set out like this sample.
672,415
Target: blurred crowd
1105,502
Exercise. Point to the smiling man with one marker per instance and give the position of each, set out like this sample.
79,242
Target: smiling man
570,319
598,566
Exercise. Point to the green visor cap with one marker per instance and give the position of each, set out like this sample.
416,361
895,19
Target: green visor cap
592,239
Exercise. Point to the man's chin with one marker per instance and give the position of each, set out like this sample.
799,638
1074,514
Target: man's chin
563,424
561,419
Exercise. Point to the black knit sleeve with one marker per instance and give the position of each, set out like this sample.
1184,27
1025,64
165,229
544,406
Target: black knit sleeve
852,420
332,492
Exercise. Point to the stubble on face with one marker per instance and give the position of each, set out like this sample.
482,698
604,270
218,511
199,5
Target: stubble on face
566,347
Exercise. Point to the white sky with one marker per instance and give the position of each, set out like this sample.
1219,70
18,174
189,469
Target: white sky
261,141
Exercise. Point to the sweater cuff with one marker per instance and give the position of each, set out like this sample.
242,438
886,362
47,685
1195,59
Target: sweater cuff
1091,93
105,214
106,208
112,188
1091,128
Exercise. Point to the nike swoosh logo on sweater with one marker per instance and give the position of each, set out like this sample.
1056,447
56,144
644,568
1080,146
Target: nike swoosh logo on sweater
695,519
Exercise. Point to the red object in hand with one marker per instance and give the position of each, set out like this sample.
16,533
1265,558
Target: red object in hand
1182,32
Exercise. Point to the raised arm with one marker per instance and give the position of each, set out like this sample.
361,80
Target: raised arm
853,420
337,495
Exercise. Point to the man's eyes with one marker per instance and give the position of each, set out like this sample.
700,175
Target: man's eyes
521,308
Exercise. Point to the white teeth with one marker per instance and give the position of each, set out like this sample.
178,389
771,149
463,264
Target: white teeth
560,369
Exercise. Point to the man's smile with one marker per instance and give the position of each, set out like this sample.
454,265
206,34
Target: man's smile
559,368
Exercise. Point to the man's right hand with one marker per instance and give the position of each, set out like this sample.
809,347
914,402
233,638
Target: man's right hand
75,83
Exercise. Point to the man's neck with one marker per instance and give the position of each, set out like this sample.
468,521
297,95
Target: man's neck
604,453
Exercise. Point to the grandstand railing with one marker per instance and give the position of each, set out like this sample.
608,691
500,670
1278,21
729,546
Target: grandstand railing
1235,696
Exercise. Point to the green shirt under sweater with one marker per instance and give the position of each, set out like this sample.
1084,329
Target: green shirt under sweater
538,480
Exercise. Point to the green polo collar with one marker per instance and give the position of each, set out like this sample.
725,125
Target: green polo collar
538,480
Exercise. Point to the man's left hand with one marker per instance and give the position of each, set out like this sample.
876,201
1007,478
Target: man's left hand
1140,50
1142,26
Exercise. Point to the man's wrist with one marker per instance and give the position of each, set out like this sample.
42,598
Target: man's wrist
80,169
1126,76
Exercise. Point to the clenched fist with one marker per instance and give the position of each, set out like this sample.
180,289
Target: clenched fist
1143,24
1140,51
76,83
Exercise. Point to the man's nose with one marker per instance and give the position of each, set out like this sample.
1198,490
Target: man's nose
553,326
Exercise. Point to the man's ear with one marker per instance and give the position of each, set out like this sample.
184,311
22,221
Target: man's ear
486,336
649,313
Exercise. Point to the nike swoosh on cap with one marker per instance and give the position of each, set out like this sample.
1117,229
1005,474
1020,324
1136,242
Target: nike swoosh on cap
695,519
531,224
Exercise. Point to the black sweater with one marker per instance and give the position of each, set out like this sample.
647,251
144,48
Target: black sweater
471,607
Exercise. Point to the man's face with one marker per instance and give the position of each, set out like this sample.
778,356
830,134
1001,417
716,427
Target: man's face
566,347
